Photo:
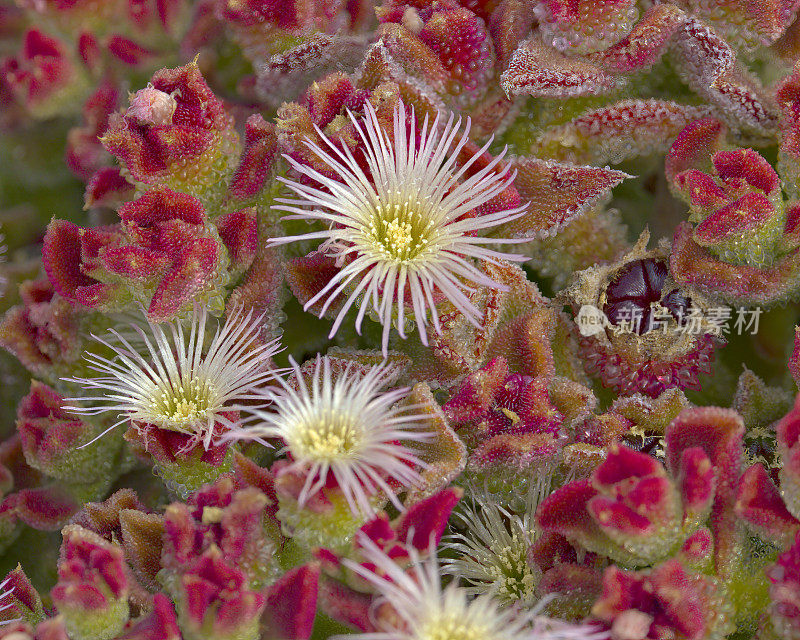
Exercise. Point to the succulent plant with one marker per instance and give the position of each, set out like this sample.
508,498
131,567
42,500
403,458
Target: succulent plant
401,319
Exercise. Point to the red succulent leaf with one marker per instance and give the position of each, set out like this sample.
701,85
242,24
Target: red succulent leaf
787,95
636,499
581,26
698,548
565,511
538,70
292,605
258,156
784,591
84,154
616,132
709,64
43,332
107,188
674,603
619,518
426,520
62,253
172,246
719,433
53,440
694,146
475,395
346,605
697,481
21,600
214,596
175,120
759,503
623,463
239,232
40,70
556,194
748,166
160,624
460,40
92,574
645,44
750,212
746,23
307,276
45,508
693,265
515,452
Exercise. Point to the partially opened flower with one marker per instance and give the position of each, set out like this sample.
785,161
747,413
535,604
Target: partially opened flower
492,554
404,234
492,544
343,428
168,379
427,611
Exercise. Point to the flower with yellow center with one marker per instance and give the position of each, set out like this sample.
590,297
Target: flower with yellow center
172,382
345,425
491,546
492,556
404,234
427,611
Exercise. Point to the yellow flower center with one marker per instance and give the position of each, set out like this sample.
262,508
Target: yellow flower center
514,577
183,407
450,626
401,229
326,438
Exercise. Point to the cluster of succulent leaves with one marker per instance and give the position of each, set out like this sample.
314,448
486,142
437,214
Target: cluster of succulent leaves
642,480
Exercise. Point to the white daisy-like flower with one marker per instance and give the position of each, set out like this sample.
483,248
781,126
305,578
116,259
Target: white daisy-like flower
169,380
427,611
344,425
401,233
492,554
492,551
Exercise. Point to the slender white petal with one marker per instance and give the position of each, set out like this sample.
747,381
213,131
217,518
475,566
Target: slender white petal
345,426
427,611
403,233
164,378
5,601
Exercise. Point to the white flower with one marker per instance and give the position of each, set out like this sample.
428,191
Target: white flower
401,234
428,611
493,554
347,427
173,382
492,550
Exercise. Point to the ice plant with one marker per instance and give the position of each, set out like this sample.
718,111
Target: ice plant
601,444
405,233
427,611
172,382
493,554
342,427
